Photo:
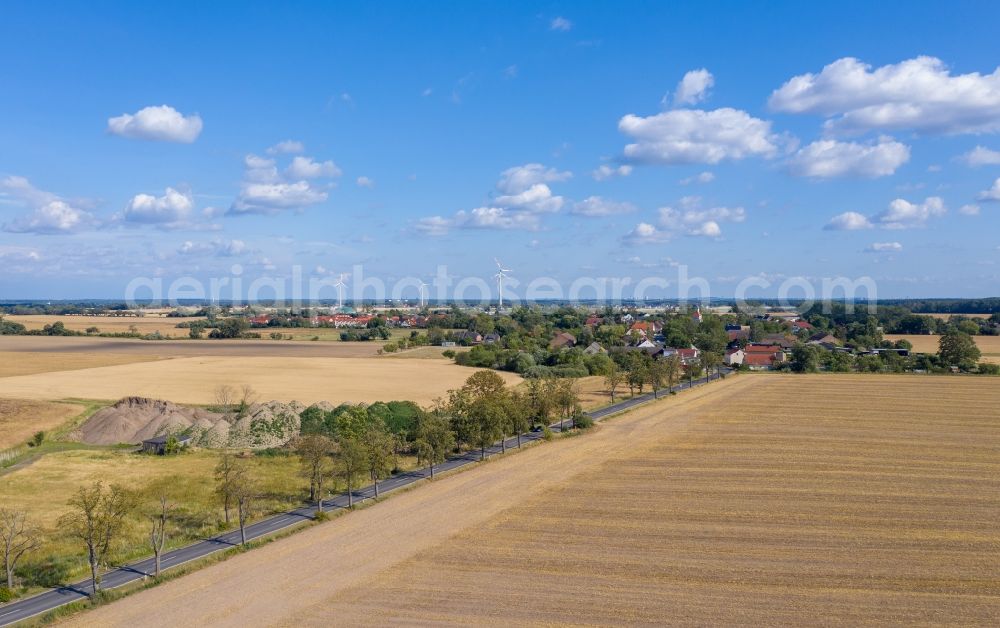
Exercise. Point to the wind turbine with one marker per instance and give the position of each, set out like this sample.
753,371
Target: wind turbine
340,291
423,295
499,277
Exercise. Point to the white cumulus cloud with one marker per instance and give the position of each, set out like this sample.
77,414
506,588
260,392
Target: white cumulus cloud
693,88
826,159
605,171
848,221
266,189
699,222
596,206
900,214
172,207
688,136
992,194
307,168
920,94
884,247
538,199
162,123
981,156
702,177
523,195
560,23
50,214
292,147
520,178
645,233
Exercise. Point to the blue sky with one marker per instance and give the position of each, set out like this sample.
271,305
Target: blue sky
567,139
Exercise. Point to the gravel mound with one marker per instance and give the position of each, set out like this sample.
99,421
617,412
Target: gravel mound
135,419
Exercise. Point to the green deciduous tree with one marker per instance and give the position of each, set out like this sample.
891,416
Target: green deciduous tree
315,453
435,440
376,442
613,379
351,463
958,349
672,370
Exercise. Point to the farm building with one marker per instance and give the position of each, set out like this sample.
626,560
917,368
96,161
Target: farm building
158,444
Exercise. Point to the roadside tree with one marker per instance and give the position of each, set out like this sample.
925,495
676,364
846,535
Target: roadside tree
377,444
613,379
97,518
315,453
435,440
351,463
158,531
17,538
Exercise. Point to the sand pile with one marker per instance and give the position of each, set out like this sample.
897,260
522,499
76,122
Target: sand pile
135,419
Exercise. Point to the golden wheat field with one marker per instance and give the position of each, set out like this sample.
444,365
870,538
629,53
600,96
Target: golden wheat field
194,380
926,343
765,499
109,324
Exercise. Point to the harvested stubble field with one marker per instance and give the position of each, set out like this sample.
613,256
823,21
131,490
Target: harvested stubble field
309,380
928,343
28,363
759,500
945,316
109,324
593,392
150,349
20,418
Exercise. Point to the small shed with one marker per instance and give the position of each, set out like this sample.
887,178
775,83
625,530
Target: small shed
158,444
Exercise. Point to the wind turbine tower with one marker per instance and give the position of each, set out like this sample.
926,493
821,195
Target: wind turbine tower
340,291
499,277
423,294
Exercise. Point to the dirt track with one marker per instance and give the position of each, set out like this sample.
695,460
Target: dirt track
766,499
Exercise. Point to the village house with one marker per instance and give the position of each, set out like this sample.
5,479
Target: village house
563,340
760,357
688,356
782,340
262,320
646,328
594,348
734,357
801,325
340,320
738,333
468,337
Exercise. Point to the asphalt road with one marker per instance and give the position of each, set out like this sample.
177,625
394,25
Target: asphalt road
141,570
